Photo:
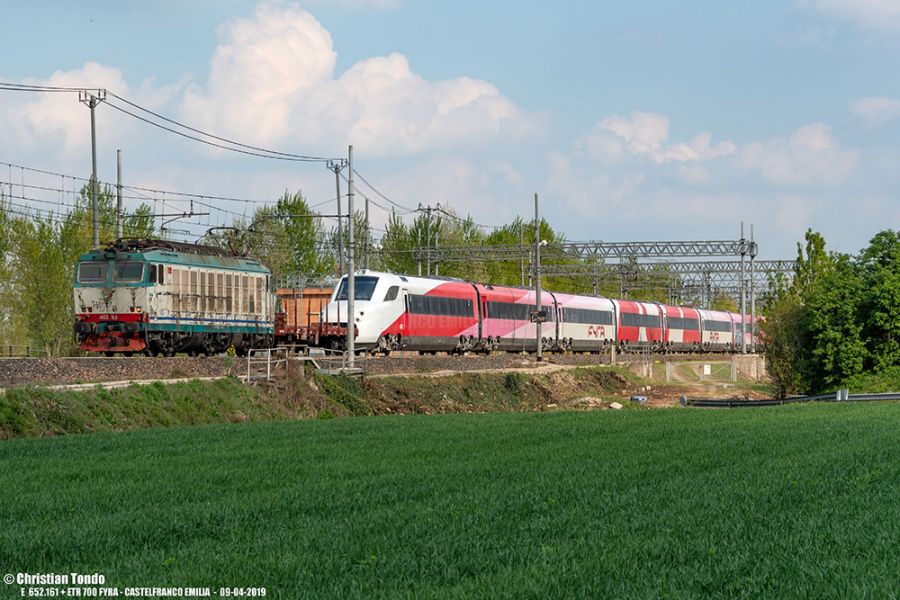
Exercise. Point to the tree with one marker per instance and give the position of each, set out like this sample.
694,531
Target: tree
39,254
833,322
786,324
724,302
786,344
814,328
880,272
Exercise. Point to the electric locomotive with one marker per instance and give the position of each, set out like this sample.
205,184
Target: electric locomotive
159,297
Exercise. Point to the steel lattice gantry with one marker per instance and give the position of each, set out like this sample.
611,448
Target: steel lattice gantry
593,250
694,282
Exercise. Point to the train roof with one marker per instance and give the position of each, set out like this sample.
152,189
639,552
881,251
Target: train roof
168,252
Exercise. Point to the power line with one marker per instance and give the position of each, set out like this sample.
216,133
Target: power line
222,139
374,189
207,142
248,149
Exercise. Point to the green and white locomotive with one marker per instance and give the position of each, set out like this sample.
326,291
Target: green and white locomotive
159,297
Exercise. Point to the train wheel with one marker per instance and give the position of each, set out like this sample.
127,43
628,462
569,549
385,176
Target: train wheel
109,354
128,354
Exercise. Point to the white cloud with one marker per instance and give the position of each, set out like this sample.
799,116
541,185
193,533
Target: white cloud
585,191
645,134
359,4
809,156
509,173
876,109
872,14
56,124
693,174
793,214
272,81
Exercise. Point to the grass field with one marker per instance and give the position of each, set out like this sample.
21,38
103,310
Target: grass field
800,501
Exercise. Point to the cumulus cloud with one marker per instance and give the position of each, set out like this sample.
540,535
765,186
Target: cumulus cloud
55,123
645,134
272,80
809,156
872,14
876,109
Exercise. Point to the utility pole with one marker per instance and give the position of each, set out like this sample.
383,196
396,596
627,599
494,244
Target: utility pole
752,291
522,256
119,214
743,298
91,101
351,276
366,247
336,166
437,253
419,249
428,241
537,278
427,210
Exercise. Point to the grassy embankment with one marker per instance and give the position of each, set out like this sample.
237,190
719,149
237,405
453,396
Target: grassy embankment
797,501
34,411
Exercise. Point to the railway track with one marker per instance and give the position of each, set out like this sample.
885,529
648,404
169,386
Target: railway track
91,369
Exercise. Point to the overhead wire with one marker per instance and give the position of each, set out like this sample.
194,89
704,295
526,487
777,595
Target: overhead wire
302,157
232,145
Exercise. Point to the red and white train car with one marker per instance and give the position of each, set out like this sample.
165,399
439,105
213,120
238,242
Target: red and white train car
640,324
682,329
717,329
583,323
402,312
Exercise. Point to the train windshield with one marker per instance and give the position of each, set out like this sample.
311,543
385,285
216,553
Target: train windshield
92,272
364,287
128,271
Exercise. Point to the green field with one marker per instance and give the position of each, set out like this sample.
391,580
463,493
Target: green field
799,501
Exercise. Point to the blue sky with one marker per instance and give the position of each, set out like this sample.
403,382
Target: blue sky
633,121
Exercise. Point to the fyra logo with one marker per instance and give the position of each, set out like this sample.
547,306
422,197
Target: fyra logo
597,331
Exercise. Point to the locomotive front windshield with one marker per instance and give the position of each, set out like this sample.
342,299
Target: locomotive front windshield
128,271
364,288
92,272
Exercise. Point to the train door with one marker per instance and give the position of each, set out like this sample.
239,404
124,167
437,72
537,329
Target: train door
404,319
552,314
480,305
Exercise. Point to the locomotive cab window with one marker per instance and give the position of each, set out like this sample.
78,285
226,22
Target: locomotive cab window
128,271
92,272
363,288
392,293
